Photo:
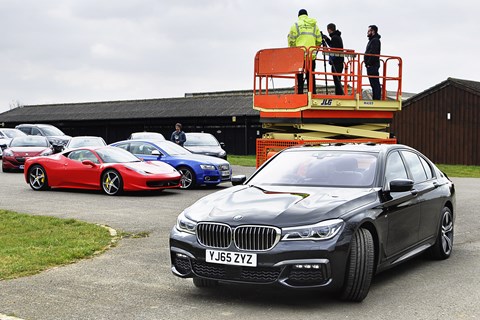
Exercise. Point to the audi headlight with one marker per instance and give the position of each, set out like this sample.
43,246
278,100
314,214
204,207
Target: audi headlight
320,231
207,167
186,225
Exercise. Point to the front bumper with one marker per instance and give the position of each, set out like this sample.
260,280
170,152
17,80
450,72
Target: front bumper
214,176
294,264
13,163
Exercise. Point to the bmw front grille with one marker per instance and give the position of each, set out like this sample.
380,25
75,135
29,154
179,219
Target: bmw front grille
214,235
247,237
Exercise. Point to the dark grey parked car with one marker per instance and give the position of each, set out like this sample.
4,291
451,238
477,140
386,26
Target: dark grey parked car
55,136
325,217
204,143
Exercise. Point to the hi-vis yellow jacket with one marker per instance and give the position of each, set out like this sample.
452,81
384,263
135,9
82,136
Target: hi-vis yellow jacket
305,32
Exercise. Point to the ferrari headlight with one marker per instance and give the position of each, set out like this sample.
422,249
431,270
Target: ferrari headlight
319,231
186,225
142,172
207,167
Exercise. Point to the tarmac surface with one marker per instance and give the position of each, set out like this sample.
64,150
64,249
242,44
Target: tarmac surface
133,280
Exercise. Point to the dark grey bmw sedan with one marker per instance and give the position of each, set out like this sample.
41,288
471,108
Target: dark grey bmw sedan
327,217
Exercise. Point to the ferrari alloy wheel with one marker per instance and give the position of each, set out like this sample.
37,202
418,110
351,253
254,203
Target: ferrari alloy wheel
359,267
37,178
112,183
442,249
188,178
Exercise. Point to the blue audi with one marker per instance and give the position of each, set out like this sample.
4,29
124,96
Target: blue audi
196,169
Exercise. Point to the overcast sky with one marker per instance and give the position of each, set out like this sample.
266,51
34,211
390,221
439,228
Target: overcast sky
96,50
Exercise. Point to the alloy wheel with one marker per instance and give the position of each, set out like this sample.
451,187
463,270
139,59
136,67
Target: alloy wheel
37,178
447,232
112,182
187,180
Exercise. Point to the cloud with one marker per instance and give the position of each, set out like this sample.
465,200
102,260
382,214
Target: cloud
84,50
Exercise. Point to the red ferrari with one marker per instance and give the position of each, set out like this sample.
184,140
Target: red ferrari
110,169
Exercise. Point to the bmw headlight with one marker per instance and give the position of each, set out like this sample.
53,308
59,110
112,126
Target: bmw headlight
207,167
186,225
319,231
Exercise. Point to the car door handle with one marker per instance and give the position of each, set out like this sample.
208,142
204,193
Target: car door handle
436,185
414,192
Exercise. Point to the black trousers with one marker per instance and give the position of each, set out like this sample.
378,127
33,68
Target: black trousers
337,80
300,80
374,82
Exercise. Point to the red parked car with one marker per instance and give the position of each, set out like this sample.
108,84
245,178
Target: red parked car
21,148
110,169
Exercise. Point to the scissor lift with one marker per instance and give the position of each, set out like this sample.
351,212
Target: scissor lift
293,118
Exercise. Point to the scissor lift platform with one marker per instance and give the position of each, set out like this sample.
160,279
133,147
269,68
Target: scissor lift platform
293,117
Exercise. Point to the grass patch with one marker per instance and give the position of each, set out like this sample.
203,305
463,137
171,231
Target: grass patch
460,171
246,161
30,244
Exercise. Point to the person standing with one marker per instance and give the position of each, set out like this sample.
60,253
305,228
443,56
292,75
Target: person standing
372,63
335,41
178,136
305,33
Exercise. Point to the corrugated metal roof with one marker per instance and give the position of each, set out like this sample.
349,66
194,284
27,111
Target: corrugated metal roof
195,106
207,104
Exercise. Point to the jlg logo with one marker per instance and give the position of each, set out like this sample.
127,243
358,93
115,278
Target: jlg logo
326,102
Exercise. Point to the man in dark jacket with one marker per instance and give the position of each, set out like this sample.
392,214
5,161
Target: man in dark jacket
178,136
372,63
335,41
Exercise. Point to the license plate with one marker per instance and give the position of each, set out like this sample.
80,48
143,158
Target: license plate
225,173
22,166
232,258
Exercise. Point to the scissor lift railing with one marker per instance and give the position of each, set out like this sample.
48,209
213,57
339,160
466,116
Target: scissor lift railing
323,116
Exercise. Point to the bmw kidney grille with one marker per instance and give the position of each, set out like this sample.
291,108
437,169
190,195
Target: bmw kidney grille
248,238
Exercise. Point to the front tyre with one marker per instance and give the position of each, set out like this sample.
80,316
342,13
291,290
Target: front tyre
443,246
359,267
112,183
37,178
188,178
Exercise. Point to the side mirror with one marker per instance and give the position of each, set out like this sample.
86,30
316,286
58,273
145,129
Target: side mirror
401,185
238,180
156,153
89,163
3,146
222,144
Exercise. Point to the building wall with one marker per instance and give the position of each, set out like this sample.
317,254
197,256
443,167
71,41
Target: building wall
239,136
424,125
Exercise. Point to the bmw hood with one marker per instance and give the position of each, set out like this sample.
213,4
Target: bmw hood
279,206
